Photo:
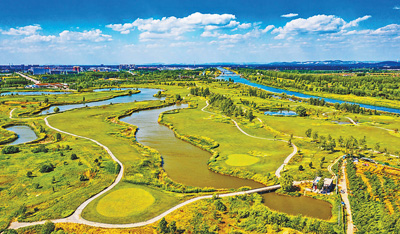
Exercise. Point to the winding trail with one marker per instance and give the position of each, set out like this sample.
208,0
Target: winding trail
352,121
285,162
76,217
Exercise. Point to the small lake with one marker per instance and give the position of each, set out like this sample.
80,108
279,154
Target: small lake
183,162
281,113
145,94
25,134
33,93
226,75
305,206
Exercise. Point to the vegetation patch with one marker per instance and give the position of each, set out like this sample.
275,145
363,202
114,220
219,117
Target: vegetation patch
241,160
123,202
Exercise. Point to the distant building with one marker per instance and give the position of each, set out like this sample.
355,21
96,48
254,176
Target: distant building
76,69
40,70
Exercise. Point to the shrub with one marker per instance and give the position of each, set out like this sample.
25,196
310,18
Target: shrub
56,110
48,227
73,157
46,168
40,148
10,150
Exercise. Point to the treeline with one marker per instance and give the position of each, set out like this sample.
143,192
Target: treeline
348,107
373,85
369,214
228,107
14,82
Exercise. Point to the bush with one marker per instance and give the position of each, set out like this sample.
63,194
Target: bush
73,157
56,110
10,150
301,111
40,148
10,231
48,227
46,168
219,205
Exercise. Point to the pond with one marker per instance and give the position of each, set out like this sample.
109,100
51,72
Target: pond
145,94
25,134
281,113
305,206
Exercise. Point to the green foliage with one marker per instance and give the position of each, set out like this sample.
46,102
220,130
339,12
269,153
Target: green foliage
10,149
309,132
162,226
40,148
286,182
47,228
46,168
73,156
219,205
56,109
58,136
301,111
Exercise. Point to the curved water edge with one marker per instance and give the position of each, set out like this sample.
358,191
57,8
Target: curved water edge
226,75
25,134
183,162
144,95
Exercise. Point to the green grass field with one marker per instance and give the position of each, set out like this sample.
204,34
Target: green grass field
241,160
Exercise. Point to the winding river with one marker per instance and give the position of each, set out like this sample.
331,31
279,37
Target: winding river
226,75
185,163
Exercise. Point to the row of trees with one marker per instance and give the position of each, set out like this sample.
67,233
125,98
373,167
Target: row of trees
369,215
376,85
227,106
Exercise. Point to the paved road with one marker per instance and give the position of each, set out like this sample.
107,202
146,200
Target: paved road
345,198
29,78
285,162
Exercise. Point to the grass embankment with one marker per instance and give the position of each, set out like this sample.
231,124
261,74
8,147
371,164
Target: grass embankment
269,154
28,104
142,164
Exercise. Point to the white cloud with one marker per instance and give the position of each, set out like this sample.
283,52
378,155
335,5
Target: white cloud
95,35
396,8
244,26
290,15
354,23
26,30
174,27
38,38
318,24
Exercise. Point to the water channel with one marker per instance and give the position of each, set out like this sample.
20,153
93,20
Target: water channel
226,75
25,134
185,163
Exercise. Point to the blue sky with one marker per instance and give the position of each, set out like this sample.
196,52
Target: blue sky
114,32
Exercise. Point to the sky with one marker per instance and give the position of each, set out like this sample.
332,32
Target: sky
190,31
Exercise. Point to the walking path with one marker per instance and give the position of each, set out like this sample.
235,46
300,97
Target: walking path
285,162
352,121
345,198
29,78
77,218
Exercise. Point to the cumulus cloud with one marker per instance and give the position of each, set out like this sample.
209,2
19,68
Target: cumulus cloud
95,35
172,26
290,15
318,24
26,30
396,8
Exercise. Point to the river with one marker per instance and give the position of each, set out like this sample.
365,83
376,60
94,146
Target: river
226,75
25,134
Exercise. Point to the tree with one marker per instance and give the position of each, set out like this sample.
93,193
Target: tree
172,227
73,156
178,97
310,164
286,182
309,132
219,205
10,231
301,168
301,111
315,136
56,109
249,115
46,168
163,226
58,136
320,184
48,227
10,149
29,174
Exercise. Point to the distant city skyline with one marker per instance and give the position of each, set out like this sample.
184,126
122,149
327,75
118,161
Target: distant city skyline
187,32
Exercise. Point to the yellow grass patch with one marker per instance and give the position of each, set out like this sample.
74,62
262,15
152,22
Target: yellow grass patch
240,160
124,202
